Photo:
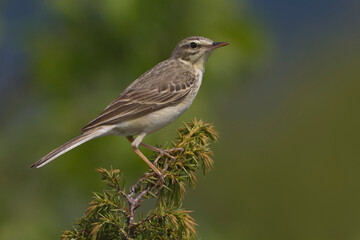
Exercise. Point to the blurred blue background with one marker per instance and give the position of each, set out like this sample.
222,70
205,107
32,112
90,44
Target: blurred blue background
284,97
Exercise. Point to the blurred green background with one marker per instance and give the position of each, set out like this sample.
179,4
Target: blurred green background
284,96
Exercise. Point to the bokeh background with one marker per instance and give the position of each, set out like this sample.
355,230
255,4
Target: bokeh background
284,96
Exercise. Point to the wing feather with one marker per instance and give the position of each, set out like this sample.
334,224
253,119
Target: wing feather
152,91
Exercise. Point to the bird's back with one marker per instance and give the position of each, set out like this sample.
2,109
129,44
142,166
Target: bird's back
163,85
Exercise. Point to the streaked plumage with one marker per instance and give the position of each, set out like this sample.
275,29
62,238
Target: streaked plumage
152,101
175,80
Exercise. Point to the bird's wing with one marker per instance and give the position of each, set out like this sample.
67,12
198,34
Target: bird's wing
164,85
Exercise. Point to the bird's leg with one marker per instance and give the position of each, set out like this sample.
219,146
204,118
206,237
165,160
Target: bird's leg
135,143
158,150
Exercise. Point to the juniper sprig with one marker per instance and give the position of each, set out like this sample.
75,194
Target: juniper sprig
112,214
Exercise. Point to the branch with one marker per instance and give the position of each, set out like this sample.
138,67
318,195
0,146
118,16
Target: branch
107,216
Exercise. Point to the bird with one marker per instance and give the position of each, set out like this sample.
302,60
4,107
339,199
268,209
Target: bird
151,102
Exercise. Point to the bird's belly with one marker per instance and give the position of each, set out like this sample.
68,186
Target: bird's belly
153,121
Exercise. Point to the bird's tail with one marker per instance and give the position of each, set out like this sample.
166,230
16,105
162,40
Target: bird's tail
86,136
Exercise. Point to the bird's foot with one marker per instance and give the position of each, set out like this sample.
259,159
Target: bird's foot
166,153
161,178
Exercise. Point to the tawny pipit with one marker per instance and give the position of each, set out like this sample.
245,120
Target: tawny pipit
151,102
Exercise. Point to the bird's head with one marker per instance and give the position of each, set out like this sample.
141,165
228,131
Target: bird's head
196,50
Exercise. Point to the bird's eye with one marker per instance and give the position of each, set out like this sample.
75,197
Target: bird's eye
193,45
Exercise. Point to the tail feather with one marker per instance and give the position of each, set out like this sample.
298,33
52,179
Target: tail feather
66,147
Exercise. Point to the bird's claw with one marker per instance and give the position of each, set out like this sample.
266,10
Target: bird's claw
168,151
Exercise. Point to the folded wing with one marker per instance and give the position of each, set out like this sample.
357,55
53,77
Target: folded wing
164,85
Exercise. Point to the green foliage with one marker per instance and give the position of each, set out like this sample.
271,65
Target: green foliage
111,214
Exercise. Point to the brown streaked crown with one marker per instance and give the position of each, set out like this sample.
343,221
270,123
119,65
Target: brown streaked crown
193,49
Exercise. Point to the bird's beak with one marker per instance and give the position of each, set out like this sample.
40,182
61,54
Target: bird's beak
218,44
